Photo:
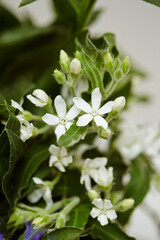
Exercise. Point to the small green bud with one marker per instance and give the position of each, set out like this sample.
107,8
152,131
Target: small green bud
92,194
125,204
37,221
108,61
61,220
64,61
119,104
78,55
126,65
118,73
105,133
59,76
117,63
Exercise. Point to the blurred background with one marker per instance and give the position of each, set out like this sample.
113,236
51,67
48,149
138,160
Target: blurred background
136,25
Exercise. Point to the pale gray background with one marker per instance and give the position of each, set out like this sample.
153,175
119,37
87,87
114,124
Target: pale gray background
137,28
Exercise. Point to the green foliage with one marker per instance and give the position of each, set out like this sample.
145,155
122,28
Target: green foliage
25,2
155,2
109,232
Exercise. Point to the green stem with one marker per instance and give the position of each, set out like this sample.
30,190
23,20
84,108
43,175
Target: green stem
34,117
111,88
43,130
73,91
71,205
57,206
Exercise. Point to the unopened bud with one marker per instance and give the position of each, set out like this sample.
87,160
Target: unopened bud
118,63
126,65
59,76
37,221
64,61
118,73
60,222
106,133
92,194
119,104
78,55
75,66
108,60
126,204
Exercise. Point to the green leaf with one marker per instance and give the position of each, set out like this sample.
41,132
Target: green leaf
25,2
79,216
111,40
4,111
72,135
155,2
92,73
109,232
66,233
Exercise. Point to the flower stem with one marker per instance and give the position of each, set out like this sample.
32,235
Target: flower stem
71,205
43,130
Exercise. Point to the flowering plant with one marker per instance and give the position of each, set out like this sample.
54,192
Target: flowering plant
64,158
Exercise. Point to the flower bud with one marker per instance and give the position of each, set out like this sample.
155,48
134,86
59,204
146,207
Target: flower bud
78,55
75,66
28,115
119,104
108,61
126,65
92,194
59,76
118,63
126,204
37,221
106,133
64,61
38,98
60,222
118,73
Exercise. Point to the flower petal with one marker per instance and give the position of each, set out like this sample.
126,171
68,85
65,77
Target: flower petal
98,162
60,167
107,204
95,212
16,105
60,106
84,120
96,98
39,93
50,119
68,124
106,108
36,101
111,214
72,113
54,150
52,160
98,202
103,219
34,196
67,160
37,180
63,151
60,130
101,122
82,105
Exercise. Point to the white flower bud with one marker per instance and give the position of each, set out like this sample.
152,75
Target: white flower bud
92,194
119,104
64,61
38,98
106,133
126,204
75,66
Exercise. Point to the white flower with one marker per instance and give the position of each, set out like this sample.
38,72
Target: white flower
95,112
26,128
59,157
119,104
103,211
43,191
96,170
39,98
75,66
63,120
17,105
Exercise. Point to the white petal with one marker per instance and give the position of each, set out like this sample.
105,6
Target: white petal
16,105
111,214
82,105
36,101
95,212
67,160
86,180
39,93
68,124
101,122
50,119
96,98
98,202
72,113
60,106
47,196
63,151
98,162
52,160
107,204
54,150
38,180
75,66
84,120
34,196
60,130
106,108
103,219
60,167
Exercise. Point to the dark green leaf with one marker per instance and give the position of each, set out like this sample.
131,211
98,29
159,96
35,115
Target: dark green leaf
72,135
111,40
79,216
66,233
109,232
155,2
4,111
25,2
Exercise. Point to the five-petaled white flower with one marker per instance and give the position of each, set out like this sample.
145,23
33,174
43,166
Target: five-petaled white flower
42,191
96,170
39,98
59,157
95,112
63,120
103,211
26,128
